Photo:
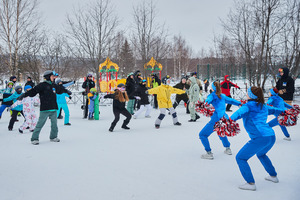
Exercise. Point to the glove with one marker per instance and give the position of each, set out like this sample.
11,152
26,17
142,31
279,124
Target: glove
146,91
20,98
239,88
68,92
74,82
70,97
137,97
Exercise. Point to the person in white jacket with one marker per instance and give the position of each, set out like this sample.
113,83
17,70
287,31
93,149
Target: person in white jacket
28,110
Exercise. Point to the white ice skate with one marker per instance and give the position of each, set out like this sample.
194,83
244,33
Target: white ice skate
274,179
248,186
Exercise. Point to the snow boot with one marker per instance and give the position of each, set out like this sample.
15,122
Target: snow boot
287,138
157,126
20,131
177,124
192,120
125,127
68,124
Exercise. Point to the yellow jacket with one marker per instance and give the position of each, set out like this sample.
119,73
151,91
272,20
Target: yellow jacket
164,95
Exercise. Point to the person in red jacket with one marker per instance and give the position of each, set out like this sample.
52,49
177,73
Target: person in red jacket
225,87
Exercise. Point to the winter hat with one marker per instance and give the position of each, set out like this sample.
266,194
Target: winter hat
57,81
12,77
93,90
47,74
10,83
89,75
274,92
120,85
29,78
27,87
130,74
251,95
18,89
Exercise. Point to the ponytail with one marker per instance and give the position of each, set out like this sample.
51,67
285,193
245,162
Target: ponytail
218,88
257,91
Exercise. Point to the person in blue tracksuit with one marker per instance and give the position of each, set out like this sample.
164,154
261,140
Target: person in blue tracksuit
15,110
277,102
62,103
6,93
262,136
219,102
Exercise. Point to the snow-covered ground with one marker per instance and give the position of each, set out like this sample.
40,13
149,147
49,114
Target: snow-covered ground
143,163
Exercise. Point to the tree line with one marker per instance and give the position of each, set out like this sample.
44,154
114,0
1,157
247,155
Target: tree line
258,36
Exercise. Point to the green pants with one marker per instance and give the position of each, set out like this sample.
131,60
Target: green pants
130,106
192,110
41,122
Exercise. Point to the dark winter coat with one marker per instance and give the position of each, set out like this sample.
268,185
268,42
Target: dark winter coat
88,84
130,87
286,83
141,92
182,86
117,105
47,91
32,84
226,85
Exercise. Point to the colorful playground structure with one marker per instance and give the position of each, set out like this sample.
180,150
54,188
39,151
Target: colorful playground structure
108,71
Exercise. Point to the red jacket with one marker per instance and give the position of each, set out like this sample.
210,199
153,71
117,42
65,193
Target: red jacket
226,85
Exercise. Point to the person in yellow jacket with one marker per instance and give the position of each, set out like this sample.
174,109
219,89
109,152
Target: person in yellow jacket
163,93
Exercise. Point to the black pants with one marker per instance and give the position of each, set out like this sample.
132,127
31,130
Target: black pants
86,108
117,117
155,101
14,118
228,105
177,101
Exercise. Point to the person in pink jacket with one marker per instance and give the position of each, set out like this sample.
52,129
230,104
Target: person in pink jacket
28,110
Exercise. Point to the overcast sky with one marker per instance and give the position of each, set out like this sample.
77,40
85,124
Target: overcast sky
195,20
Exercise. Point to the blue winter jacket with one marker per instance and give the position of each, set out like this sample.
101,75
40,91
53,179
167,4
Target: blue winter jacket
278,102
255,118
13,98
220,104
61,98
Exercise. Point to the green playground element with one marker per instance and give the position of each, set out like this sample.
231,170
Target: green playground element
96,109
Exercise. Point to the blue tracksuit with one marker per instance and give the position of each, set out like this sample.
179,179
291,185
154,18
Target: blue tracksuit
219,105
13,98
62,103
279,103
261,134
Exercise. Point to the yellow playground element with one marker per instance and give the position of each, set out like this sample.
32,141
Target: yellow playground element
107,69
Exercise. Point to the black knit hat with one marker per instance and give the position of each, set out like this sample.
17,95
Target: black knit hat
121,85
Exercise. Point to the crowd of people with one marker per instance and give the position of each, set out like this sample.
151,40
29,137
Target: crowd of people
131,100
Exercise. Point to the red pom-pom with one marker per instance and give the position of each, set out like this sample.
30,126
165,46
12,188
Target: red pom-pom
204,109
243,102
226,127
289,117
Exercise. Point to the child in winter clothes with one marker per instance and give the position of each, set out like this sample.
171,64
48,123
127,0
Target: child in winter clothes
194,97
62,103
218,100
262,136
47,91
164,101
92,95
28,111
278,102
144,101
6,93
119,99
15,110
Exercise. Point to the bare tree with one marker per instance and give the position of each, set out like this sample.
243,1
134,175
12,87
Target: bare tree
148,36
18,20
91,30
181,54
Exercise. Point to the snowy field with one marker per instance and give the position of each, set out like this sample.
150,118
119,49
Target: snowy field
143,163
